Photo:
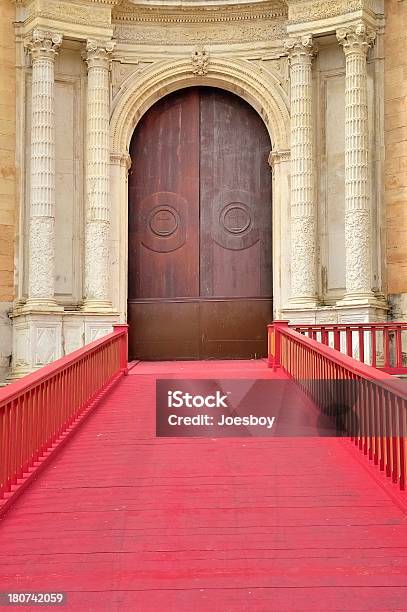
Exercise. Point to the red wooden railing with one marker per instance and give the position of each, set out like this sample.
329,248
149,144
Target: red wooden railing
38,409
378,344
381,406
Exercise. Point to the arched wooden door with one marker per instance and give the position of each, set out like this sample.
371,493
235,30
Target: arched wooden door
200,258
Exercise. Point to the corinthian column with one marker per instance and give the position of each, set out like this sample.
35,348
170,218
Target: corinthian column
97,231
43,48
303,214
356,41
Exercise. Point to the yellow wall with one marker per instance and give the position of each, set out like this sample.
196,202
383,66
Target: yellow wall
7,150
396,143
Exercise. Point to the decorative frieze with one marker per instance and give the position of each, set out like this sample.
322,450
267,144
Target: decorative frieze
43,48
303,213
97,232
241,32
356,41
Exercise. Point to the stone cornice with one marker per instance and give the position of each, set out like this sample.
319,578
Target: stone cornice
301,11
127,12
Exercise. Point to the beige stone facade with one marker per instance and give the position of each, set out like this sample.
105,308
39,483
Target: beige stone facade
318,73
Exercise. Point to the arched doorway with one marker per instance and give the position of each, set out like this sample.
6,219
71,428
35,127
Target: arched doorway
200,257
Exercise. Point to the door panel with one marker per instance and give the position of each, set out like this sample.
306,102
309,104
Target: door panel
235,194
199,229
164,201
235,212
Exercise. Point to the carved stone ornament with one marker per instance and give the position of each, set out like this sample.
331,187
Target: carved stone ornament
43,44
200,61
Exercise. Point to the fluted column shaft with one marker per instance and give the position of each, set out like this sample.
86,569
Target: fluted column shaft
356,41
43,48
97,231
303,213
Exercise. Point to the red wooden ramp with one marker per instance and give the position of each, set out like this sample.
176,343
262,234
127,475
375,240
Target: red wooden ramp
121,520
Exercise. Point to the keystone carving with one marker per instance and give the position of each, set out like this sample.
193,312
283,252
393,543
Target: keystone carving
200,61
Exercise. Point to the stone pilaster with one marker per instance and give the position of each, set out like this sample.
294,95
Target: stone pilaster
97,231
356,41
303,209
43,48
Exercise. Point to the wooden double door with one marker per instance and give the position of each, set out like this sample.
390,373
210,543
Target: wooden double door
200,258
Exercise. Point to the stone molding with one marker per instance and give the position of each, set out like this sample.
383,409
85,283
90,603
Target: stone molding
268,9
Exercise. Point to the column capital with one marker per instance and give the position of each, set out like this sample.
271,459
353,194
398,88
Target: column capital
276,157
98,53
356,38
300,50
43,44
121,159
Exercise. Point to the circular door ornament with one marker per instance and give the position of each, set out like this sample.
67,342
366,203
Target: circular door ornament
236,218
163,221
234,225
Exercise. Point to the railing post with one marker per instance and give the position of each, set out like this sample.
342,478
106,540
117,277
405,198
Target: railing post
124,350
274,343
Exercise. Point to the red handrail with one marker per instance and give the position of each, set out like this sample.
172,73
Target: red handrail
377,344
381,406
38,409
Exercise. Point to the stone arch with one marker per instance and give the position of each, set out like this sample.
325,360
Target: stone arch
261,89
263,93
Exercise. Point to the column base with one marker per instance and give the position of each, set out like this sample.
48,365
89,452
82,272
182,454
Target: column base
362,299
96,306
303,302
40,305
